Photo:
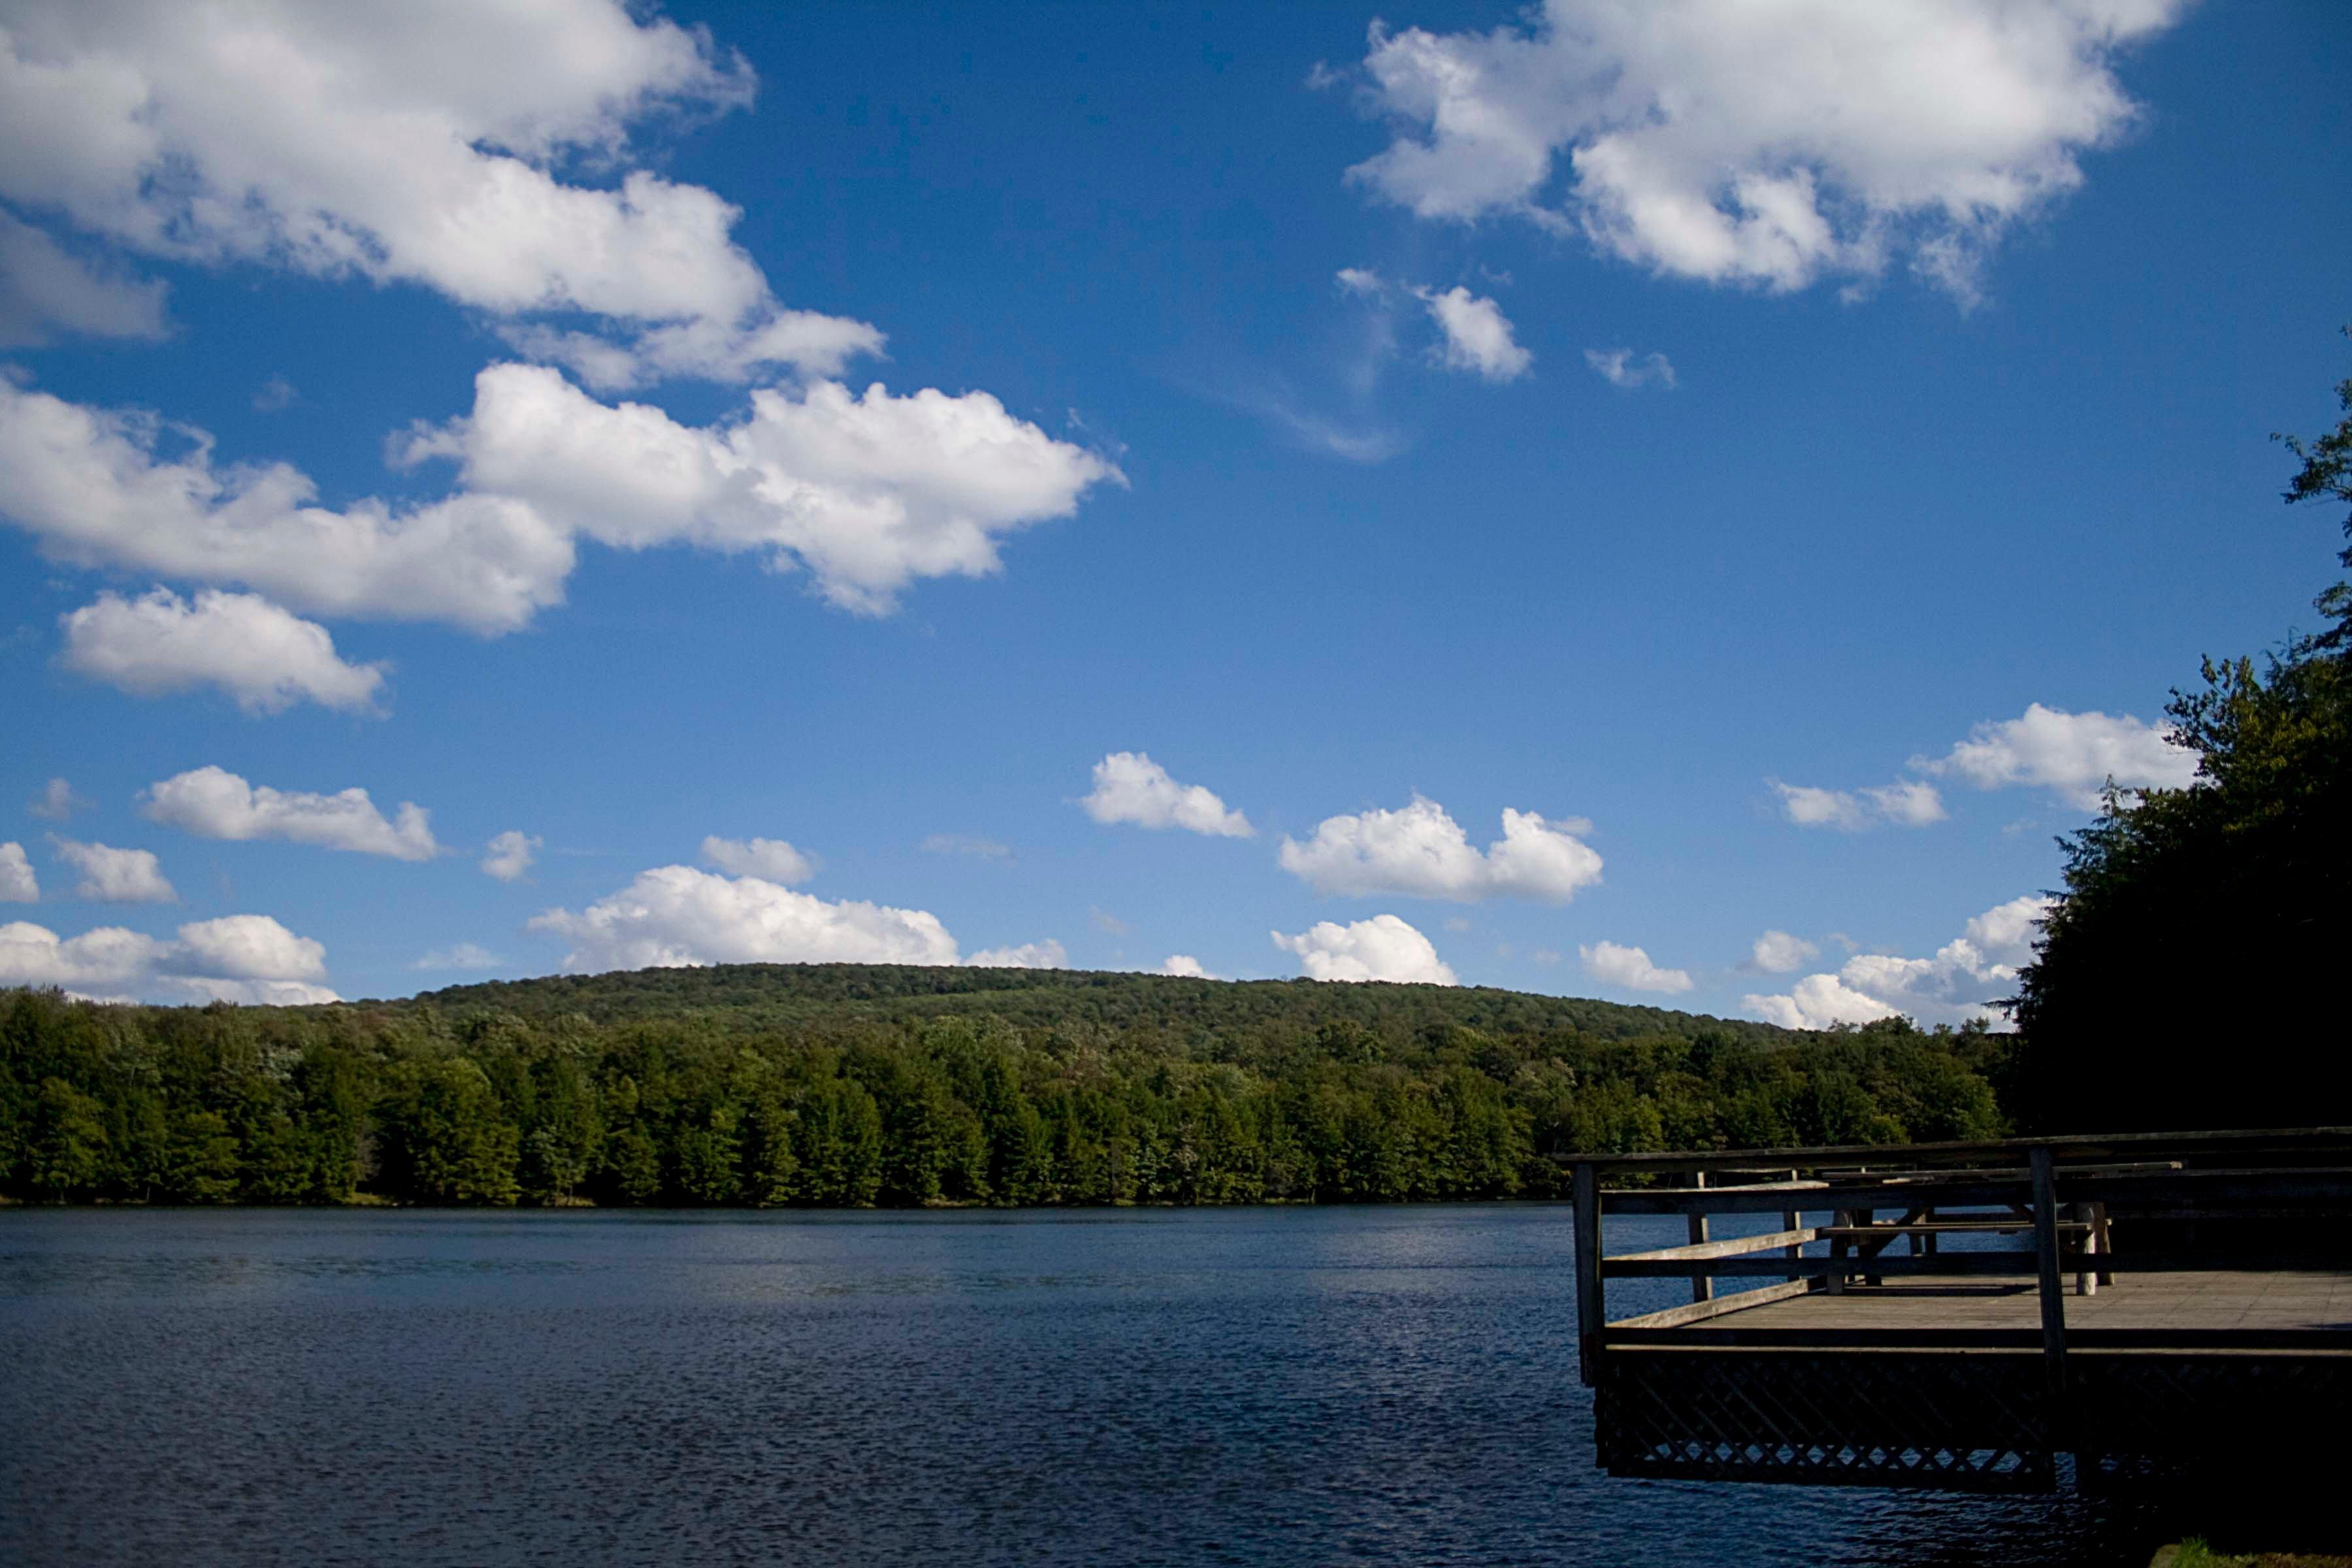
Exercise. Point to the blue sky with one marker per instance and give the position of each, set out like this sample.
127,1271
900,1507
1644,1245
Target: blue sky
1781,456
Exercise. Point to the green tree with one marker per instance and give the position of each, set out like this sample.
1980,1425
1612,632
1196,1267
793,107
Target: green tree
69,1142
2215,911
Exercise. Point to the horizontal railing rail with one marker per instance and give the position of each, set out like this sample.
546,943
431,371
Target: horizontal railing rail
2288,1142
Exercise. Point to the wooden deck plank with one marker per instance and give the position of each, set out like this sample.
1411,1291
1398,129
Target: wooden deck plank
2209,1301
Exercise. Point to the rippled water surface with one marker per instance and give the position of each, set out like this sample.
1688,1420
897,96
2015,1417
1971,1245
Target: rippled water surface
1380,1385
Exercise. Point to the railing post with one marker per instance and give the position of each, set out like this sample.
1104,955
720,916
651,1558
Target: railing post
1588,1301
1793,1220
2053,1294
1701,1287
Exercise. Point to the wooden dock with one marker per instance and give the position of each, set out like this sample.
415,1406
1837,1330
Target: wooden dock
1964,1315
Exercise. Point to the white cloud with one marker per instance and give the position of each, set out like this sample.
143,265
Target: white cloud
1777,952
2006,932
770,859
250,947
257,993
1907,803
1631,968
674,916
275,395
1361,280
266,657
55,802
18,883
1959,983
965,844
213,803
1381,947
47,293
92,486
1185,964
1421,852
1477,335
868,493
1623,368
1770,144
1131,787
115,876
337,140
1045,954
509,855
2072,755
237,958
1818,1002
463,955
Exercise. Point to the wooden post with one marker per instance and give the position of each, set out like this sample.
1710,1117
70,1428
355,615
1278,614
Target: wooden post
1841,1218
1702,1288
1589,1300
2053,1294
2099,1234
2086,1278
1793,1220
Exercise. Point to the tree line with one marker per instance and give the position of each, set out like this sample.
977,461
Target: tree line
1387,1100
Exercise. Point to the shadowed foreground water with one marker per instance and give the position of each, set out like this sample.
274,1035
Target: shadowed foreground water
1290,1386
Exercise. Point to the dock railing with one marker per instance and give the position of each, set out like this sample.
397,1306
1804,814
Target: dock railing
2085,1213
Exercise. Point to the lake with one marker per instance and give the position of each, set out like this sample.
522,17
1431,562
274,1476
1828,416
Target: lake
1248,1385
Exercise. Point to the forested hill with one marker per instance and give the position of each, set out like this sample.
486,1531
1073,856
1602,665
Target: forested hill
848,1084
763,996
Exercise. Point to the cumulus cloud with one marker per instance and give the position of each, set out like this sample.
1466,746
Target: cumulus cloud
1907,803
1963,980
1477,336
770,859
55,802
1777,952
213,803
339,141
47,293
2006,932
1185,964
237,958
1623,368
865,492
1631,968
1762,144
94,488
250,947
1818,1002
115,876
265,657
509,855
1131,787
1419,851
1045,954
463,955
2072,755
1381,947
18,883
677,917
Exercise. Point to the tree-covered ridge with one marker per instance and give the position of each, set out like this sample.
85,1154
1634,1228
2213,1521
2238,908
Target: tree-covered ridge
687,1094
771,996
